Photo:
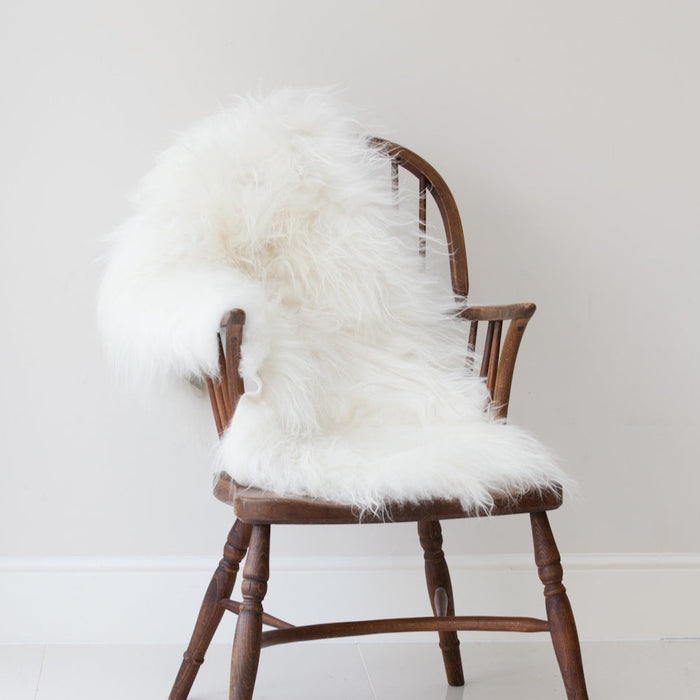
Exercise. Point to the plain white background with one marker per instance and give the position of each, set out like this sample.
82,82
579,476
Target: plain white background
568,134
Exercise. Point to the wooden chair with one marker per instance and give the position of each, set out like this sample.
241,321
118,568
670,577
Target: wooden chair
257,510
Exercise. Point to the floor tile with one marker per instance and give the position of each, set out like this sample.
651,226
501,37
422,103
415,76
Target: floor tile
108,672
302,671
312,671
528,671
20,666
492,671
347,671
644,670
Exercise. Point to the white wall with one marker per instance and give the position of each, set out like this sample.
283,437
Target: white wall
568,133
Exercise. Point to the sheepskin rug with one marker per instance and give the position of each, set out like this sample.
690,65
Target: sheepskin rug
352,356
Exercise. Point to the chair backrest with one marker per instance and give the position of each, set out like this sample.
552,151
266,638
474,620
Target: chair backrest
430,181
497,349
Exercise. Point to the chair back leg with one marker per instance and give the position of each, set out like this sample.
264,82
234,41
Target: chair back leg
246,642
559,613
437,576
211,611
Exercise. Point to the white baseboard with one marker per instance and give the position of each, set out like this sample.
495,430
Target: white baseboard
71,600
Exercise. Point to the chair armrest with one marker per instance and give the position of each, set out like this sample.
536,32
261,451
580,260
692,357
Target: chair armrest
498,359
497,366
504,312
233,317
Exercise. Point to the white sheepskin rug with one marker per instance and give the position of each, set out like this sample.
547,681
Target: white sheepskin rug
352,357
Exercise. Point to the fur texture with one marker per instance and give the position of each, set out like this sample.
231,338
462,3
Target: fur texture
352,357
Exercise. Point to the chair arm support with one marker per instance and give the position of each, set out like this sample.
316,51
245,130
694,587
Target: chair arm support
498,361
232,324
227,388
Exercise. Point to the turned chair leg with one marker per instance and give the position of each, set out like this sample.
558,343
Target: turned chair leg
559,613
211,611
246,643
437,576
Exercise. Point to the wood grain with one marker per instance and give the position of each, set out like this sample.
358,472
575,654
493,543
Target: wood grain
335,630
258,506
211,610
246,642
559,613
437,576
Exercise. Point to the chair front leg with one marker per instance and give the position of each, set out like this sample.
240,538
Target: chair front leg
211,611
437,576
559,613
246,643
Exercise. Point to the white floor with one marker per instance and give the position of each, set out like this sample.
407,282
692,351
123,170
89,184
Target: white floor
665,670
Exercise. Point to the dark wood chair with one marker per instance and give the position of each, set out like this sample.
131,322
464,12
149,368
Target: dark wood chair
257,510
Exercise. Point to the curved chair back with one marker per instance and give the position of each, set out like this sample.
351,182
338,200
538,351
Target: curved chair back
430,181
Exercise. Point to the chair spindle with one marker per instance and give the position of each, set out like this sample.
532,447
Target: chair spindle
223,383
422,187
486,354
214,388
493,357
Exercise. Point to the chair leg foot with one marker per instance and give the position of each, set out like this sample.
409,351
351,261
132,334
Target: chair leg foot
559,613
211,612
246,643
437,576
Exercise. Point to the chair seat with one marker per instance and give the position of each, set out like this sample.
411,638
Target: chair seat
256,506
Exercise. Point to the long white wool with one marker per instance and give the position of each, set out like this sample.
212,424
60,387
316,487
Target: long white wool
352,357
